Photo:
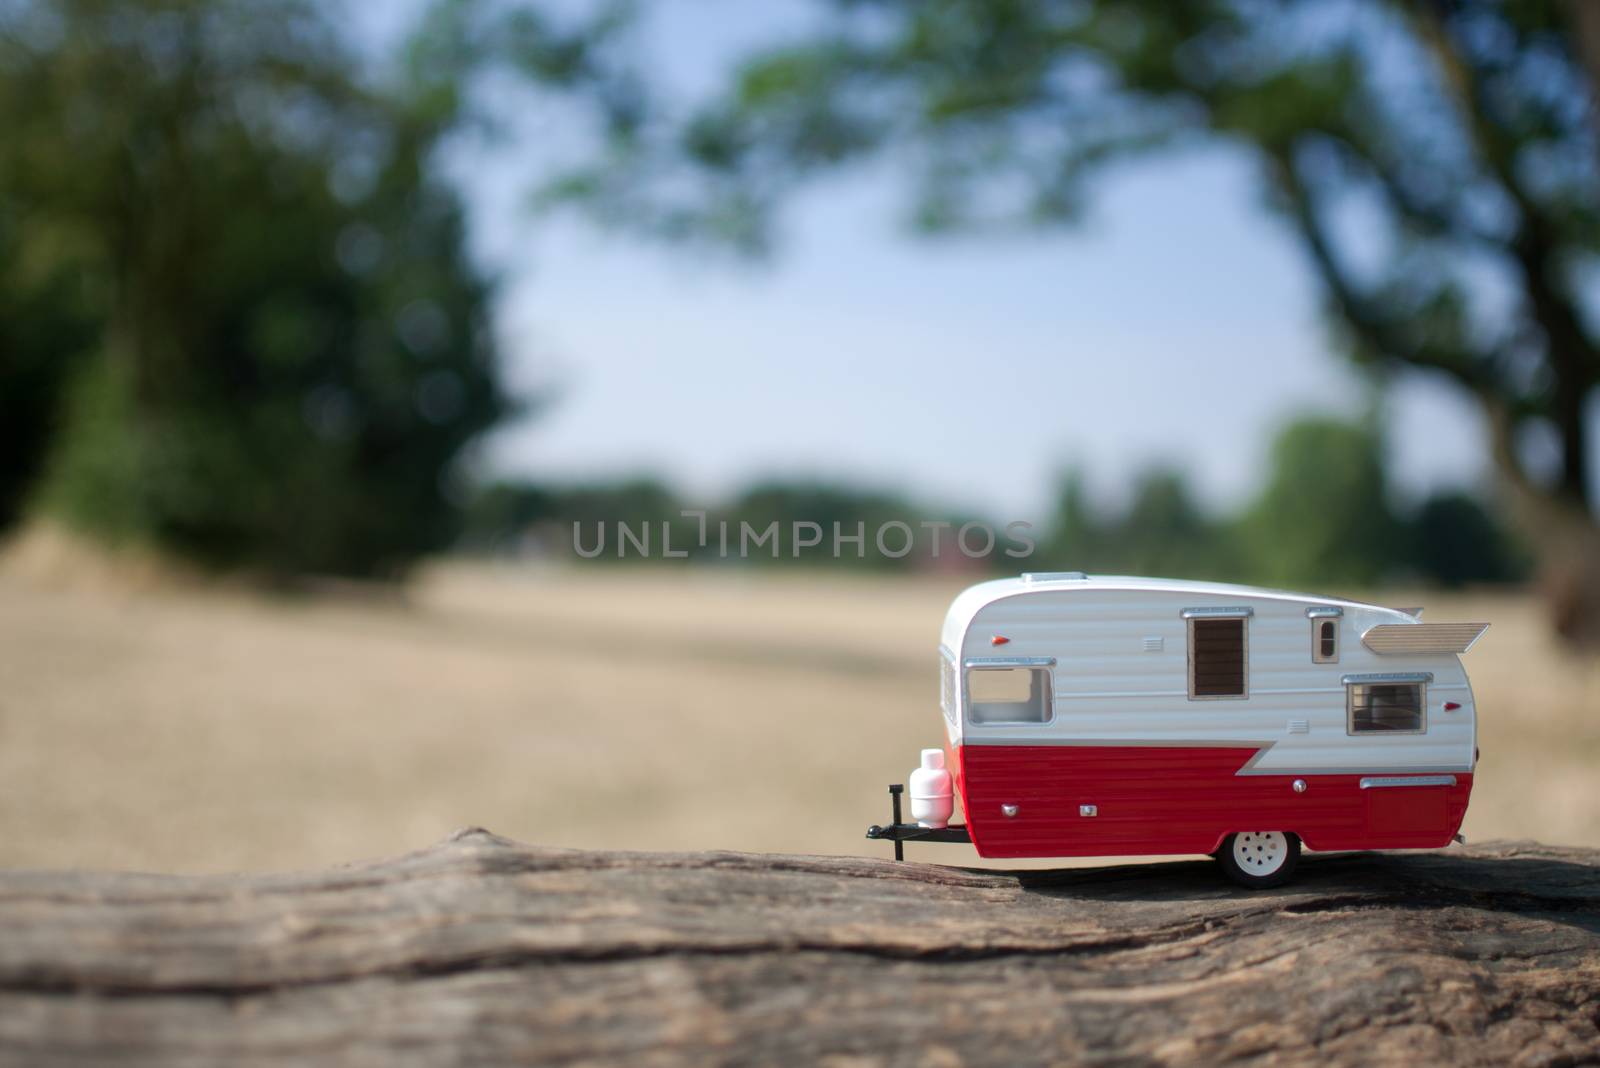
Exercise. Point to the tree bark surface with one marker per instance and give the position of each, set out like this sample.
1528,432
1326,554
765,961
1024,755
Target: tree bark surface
481,950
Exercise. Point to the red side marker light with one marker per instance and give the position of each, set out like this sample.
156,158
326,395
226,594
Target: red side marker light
1451,706
999,639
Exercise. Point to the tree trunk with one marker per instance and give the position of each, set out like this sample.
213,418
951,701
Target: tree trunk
1564,536
484,951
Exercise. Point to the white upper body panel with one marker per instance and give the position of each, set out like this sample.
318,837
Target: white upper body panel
1120,673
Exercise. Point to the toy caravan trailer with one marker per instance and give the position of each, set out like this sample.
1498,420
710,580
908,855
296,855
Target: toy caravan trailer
1104,716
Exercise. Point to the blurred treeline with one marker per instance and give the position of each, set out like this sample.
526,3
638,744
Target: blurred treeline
1326,516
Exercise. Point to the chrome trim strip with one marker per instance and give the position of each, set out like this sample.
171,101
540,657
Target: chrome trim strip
1248,768
1046,738
1407,780
1281,691
1232,612
1102,694
1388,676
950,676
1324,611
1008,661
1278,691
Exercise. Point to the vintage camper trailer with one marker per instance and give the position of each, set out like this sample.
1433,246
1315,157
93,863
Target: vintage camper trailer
1105,715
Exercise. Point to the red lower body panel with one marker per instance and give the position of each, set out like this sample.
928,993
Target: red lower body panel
1170,799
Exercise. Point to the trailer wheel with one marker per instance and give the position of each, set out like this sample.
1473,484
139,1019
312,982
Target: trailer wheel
1259,859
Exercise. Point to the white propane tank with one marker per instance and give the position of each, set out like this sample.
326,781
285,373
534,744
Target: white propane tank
932,800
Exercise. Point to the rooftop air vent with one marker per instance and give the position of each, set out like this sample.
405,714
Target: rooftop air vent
1053,576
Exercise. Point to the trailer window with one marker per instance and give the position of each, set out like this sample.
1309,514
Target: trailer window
1008,695
1386,707
1218,657
1325,641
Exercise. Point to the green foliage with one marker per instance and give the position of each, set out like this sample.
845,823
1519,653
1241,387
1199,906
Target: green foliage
46,328
510,517
1078,538
1324,519
514,517
1463,133
1456,542
852,511
1162,531
1165,533
499,515
1324,514
276,346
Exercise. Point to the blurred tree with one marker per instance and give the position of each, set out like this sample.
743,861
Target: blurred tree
513,517
1162,531
233,246
516,517
854,510
635,500
1324,516
1076,538
500,515
1457,542
1165,533
45,330
1462,134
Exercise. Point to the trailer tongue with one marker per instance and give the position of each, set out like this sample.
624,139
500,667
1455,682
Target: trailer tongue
900,833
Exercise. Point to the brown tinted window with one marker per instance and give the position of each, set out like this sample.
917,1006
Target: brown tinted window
1216,657
1327,639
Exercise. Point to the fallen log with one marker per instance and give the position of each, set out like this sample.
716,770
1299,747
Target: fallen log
483,950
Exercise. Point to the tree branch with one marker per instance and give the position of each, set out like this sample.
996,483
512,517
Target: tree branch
1373,327
1537,248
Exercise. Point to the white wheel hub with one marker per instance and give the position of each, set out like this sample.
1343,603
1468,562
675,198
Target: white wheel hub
1260,852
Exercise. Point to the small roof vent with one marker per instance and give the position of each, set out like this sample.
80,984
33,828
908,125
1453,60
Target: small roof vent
1053,576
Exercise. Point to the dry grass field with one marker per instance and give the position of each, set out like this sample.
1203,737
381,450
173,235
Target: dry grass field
182,729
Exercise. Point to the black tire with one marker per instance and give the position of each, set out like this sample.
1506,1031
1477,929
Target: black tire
1266,862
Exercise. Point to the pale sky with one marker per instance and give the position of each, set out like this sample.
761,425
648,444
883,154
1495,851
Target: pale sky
1179,325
